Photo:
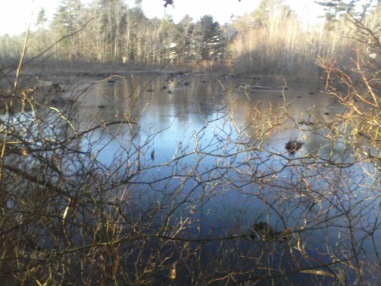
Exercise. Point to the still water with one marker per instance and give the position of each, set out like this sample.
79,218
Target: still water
175,110
216,146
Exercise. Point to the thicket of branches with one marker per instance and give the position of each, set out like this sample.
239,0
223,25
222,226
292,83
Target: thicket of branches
308,215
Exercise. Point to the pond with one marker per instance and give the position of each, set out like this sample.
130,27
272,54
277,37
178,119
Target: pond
210,150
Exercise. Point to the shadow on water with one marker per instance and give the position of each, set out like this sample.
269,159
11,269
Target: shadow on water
218,147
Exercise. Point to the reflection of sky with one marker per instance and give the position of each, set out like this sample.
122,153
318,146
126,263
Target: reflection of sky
194,126
197,114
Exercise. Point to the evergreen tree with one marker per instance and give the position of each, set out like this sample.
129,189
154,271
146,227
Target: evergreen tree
336,8
41,19
67,20
206,37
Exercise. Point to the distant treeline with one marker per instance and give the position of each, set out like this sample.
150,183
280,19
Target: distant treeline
270,39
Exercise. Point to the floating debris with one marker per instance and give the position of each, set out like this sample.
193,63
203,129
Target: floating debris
173,275
263,229
256,87
304,122
265,232
293,145
153,155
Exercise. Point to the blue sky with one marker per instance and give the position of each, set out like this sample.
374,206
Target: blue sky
16,14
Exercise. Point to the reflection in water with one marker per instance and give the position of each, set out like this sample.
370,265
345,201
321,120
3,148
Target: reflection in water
221,149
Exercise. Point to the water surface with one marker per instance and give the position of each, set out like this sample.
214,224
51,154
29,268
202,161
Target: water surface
216,147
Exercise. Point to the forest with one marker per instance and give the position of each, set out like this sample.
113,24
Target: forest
269,40
137,151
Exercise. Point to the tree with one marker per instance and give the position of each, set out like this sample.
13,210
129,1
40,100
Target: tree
271,40
357,86
41,19
111,20
185,29
67,20
135,31
206,38
337,8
